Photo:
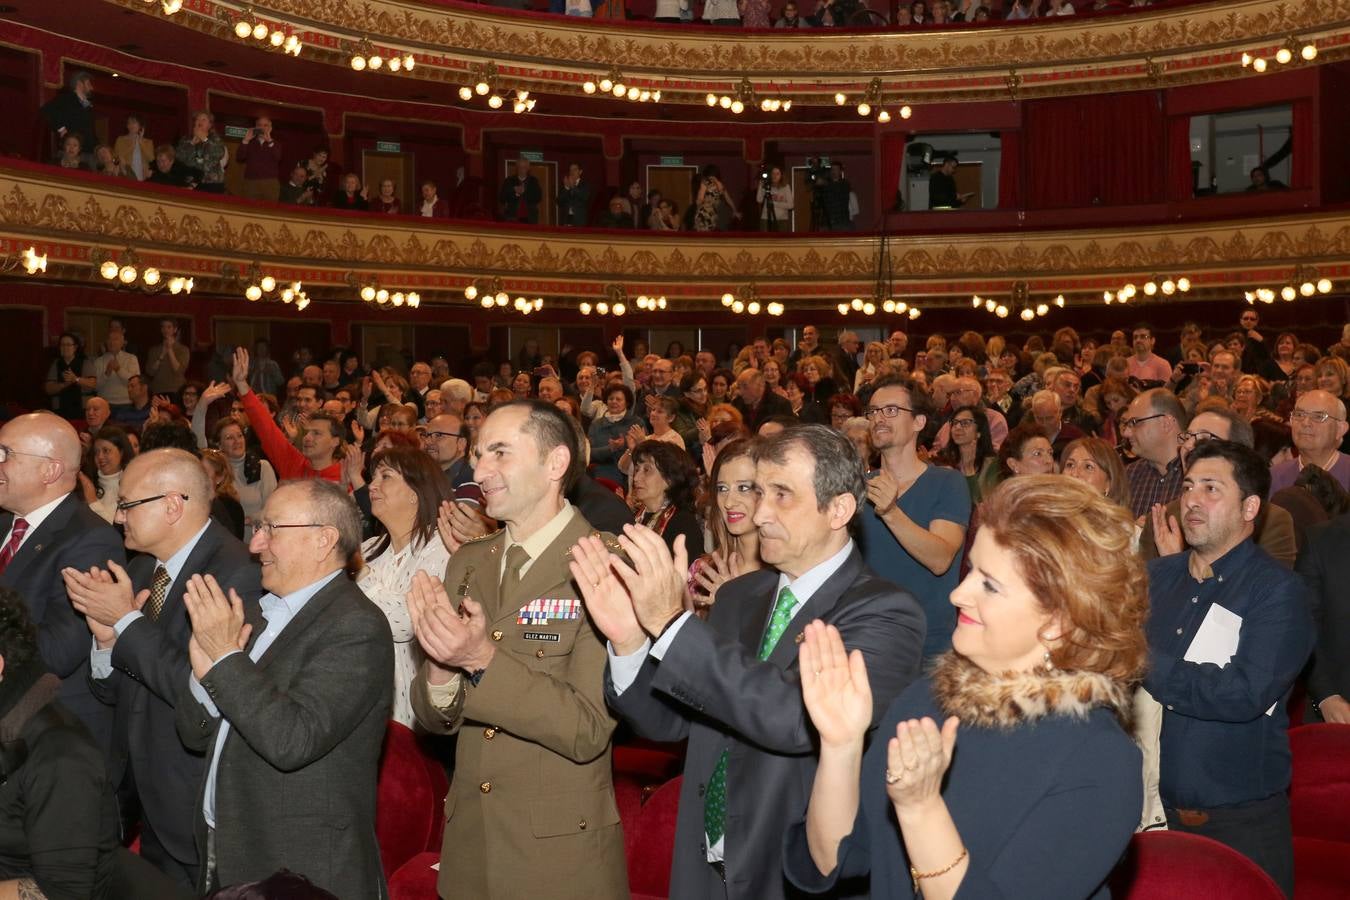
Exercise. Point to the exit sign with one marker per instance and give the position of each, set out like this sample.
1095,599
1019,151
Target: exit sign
672,160
532,155
388,147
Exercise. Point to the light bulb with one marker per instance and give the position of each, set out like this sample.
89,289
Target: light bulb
293,45
725,103
127,274
1169,287
268,284
1150,288
864,109
840,99
520,303
151,277
588,87
382,296
277,38
1324,286
409,62
260,32
869,309
619,309
1108,297
620,89
187,285
738,307
900,307
368,293
108,270
606,85
466,93
787,105
502,298
481,88
242,29
728,299
843,309
395,64
1027,314
253,293
1059,300
856,303
518,107
661,302
883,117
176,285
1287,292
990,305
1246,60
975,302
752,307
538,303
495,102
656,96
287,295
584,309
1308,52
1183,284
1128,290
645,96
602,308
172,6
1307,289
711,99
487,301
397,298
376,61
906,112
358,63
1042,309
737,107
471,292
765,104
634,93
1284,55
1259,64
1001,311
302,303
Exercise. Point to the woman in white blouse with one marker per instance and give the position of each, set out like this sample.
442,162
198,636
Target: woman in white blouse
406,491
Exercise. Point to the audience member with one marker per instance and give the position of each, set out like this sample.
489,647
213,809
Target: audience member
261,155
1151,425
203,150
70,377
321,445
1318,425
519,196
574,198
101,475
663,485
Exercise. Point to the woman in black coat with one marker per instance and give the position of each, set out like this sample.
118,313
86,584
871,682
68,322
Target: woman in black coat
58,819
1046,788
662,486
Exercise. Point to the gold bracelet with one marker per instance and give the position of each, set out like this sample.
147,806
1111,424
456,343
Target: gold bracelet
916,876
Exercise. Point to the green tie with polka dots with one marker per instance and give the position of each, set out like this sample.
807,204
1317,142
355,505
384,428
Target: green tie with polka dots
715,797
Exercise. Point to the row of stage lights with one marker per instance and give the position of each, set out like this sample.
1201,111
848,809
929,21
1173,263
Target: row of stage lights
1154,286
128,272
1293,49
1028,313
889,306
247,25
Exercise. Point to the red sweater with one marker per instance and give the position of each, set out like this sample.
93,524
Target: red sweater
281,453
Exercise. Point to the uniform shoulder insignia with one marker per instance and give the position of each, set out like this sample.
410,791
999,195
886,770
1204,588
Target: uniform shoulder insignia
480,538
612,544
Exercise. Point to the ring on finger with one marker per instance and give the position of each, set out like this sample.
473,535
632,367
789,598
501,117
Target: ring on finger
893,777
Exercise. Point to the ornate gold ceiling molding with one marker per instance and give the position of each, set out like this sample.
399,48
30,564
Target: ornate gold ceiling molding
1177,45
195,235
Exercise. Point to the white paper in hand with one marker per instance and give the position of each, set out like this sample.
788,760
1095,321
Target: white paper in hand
1217,639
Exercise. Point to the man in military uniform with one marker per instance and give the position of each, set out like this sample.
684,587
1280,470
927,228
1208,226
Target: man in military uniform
514,666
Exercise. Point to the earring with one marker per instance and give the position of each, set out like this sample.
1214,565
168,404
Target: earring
1048,663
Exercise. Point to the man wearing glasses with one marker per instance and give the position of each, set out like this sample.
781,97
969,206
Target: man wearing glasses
45,528
139,661
289,707
914,525
1151,424
1163,536
447,442
1318,424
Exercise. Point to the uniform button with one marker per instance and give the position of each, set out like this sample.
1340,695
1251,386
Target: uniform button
539,653
1178,631
489,733
496,635
582,824
1195,599
1220,579
1169,706
485,787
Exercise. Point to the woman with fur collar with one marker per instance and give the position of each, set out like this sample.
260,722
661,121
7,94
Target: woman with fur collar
1031,785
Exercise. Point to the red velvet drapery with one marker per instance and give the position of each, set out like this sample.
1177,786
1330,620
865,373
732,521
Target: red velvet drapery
1089,151
892,166
1303,134
1010,169
1180,181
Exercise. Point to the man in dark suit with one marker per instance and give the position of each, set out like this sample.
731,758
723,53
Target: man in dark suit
1325,566
45,528
141,627
730,684
756,402
519,196
291,714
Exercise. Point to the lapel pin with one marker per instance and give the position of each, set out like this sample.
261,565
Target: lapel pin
801,636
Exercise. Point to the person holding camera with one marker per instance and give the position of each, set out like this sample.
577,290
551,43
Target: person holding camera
774,196
261,156
712,195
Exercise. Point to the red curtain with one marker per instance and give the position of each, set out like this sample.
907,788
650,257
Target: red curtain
892,165
1010,169
1180,180
1087,151
1303,141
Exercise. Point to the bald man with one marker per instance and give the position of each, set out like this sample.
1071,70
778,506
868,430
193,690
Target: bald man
45,528
139,660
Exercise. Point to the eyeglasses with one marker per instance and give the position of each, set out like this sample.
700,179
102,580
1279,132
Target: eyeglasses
267,528
441,434
962,423
6,451
1312,415
124,505
1196,436
1134,423
890,411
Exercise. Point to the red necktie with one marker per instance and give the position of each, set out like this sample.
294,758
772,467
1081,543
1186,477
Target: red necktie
12,545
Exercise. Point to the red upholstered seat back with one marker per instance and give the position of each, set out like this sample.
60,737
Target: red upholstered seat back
1319,796
1169,865
652,844
409,802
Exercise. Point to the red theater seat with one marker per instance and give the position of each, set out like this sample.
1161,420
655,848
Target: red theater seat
415,879
1169,865
409,799
652,845
1319,809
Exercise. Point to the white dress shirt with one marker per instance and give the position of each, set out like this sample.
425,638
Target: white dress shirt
34,520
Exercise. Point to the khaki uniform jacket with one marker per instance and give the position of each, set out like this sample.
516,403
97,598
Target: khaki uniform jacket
531,810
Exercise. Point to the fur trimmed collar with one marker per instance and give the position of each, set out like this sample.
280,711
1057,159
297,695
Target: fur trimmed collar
1005,701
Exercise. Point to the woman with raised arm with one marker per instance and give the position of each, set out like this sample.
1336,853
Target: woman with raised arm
1047,789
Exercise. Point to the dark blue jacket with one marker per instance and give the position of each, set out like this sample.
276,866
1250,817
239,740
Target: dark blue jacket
1219,748
1045,808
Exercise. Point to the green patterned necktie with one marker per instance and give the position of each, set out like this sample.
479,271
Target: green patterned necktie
715,798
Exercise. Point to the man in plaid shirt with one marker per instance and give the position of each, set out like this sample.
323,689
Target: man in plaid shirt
1151,424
